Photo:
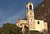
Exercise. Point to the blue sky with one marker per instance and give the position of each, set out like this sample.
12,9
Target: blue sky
11,10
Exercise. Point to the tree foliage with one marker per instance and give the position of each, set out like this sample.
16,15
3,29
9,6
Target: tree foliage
35,32
13,29
10,29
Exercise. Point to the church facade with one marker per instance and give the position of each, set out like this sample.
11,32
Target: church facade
31,22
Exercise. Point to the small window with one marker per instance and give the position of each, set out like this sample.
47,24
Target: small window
30,13
38,22
31,19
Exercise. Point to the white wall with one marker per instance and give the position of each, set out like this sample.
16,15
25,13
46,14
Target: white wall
40,26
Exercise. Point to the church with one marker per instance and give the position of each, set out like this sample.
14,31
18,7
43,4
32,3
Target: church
31,22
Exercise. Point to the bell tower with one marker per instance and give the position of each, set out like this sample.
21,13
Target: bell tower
30,15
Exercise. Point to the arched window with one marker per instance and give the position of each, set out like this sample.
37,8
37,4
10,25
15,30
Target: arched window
30,7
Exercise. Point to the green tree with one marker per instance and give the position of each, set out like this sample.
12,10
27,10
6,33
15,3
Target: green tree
10,29
35,32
